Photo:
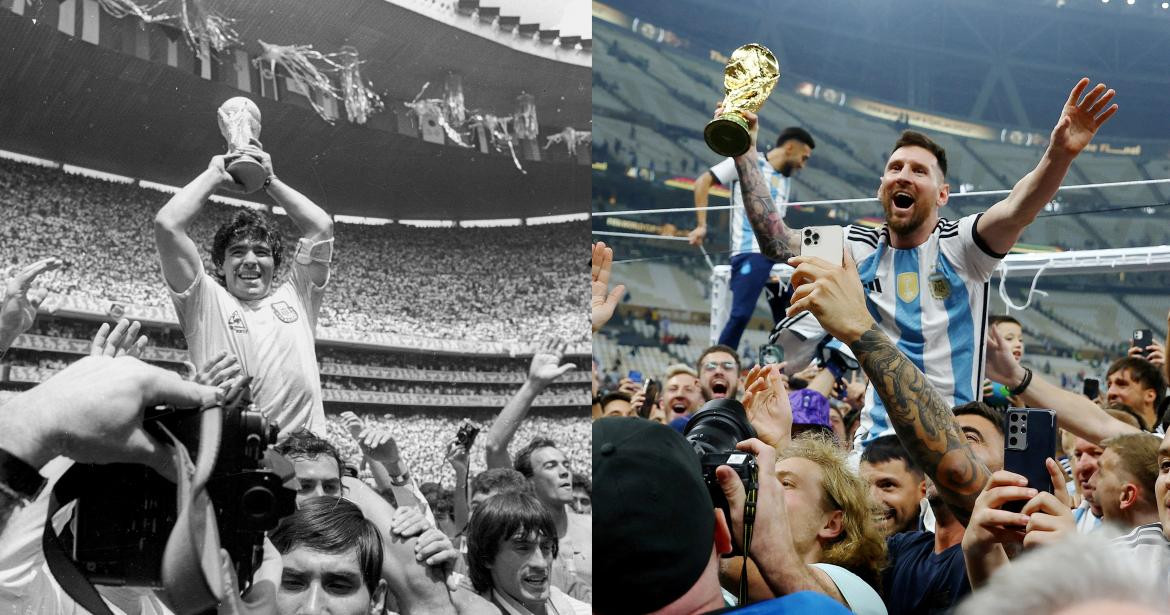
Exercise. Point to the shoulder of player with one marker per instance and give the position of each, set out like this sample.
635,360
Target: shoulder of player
856,233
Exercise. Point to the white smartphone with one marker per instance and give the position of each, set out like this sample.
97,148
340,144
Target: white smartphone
826,242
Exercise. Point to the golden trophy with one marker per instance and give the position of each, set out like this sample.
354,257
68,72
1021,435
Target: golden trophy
239,123
748,79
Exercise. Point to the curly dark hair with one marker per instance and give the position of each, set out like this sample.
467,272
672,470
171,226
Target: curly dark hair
499,519
246,224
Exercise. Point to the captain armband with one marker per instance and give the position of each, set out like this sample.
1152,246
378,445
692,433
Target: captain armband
309,252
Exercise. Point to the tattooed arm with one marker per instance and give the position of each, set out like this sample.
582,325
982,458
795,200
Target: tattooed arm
777,241
921,418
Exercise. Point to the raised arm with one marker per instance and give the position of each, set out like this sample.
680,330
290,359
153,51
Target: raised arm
179,256
923,421
777,241
314,223
702,191
1005,221
544,369
1076,413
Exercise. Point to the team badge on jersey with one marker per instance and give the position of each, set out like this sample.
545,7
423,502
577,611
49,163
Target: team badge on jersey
284,311
908,286
940,288
236,323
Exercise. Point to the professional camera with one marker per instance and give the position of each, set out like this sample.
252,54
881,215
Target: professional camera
713,432
125,512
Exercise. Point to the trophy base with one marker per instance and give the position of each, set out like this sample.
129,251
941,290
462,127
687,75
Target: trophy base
727,135
247,173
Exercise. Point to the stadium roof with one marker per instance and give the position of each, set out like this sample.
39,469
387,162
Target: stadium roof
65,99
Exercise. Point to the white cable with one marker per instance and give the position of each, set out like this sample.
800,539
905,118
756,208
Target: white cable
640,235
1031,291
638,212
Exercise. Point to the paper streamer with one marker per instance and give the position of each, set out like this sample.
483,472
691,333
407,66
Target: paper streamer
127,8
201,25
360,99
298,62
425,107
497,130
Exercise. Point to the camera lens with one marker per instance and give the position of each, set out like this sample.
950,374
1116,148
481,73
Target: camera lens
258,502
718,426
1013,440
1013,429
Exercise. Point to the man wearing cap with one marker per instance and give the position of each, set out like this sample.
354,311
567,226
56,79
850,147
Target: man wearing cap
660,537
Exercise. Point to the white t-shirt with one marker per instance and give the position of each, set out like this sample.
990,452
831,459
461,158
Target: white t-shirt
1148,545
272,338
862,599
743,239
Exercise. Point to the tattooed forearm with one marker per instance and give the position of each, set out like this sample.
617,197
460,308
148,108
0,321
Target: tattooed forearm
773,235
923,421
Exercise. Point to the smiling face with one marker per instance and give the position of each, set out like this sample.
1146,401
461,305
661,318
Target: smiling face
551,477
718,375
247,269
896,492
521,569
1013,335
682,395
912,189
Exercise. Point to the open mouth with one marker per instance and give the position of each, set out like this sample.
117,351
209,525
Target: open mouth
903,200
719,388
883,516
249,275
536,581
678,406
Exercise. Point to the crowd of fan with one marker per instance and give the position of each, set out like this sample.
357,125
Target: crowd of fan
427,388
462,284
423,437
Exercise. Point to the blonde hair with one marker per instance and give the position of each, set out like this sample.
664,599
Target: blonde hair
1138,454
859,547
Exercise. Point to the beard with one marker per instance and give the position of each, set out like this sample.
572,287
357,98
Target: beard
918,216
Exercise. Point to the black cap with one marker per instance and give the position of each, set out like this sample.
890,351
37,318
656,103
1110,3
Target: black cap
654,523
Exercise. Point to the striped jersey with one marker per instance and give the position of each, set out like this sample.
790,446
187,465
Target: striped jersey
931,301
743,239
1148,544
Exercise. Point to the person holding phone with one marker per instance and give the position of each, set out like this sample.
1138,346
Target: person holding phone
926,277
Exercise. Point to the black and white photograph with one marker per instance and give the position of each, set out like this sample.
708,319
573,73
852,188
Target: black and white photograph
294,315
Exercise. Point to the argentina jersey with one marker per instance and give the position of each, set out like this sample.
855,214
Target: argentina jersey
931,301
743,239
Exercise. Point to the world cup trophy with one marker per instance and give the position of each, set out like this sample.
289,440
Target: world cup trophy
748,79
239,123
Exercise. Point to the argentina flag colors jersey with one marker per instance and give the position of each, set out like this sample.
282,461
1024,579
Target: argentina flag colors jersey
932,302
743,240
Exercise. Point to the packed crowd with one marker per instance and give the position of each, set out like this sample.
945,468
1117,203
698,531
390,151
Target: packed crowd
423,438
457,284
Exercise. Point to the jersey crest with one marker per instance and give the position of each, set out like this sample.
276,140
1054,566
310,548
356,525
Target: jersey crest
908,286
236,323
284,311
940,288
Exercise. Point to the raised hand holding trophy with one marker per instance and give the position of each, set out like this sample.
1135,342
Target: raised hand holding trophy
748,79
239,123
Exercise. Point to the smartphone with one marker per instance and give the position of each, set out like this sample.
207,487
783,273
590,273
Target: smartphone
1092,388
1142,338
635,376
1029,439
650,392
770,354
826,242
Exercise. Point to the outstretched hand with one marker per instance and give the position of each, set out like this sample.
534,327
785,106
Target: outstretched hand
122,341
766,402
546,364
603,300
21,300
1081,117
833,294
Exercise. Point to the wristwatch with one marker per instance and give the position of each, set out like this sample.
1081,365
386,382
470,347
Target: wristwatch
19,477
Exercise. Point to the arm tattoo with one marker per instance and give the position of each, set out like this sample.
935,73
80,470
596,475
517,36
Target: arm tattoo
924,423
767,224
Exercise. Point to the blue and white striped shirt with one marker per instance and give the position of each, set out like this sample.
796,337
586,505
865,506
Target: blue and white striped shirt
743,240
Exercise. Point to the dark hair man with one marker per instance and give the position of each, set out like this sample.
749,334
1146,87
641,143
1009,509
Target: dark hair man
719,369
750,270
332,558
547,469
896,485
511,546
1139,384
238,307
316,462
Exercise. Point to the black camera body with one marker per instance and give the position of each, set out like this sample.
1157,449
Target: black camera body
465,437
125,512
713,432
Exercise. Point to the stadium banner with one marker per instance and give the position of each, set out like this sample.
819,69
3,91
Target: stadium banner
427,375
89,308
